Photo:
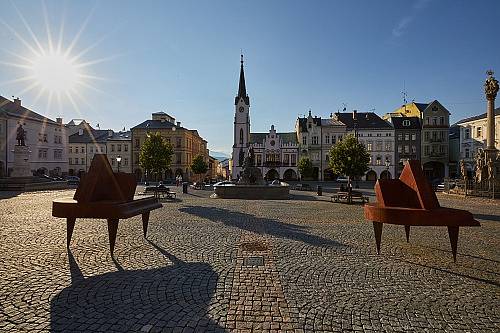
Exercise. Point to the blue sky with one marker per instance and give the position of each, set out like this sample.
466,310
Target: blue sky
182,57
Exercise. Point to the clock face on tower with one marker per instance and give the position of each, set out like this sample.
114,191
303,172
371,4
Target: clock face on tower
241,109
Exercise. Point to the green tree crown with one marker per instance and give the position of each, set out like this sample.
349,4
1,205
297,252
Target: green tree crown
349,157
199,166
305,167
156,154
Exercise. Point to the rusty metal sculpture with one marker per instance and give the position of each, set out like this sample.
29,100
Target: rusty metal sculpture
103,194
410,201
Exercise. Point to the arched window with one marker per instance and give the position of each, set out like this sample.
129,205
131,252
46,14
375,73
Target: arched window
241,135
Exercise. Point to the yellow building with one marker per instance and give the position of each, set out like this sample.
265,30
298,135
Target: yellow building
435,120
186,144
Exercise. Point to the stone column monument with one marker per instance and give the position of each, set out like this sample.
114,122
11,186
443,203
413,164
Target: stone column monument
491,89
21,156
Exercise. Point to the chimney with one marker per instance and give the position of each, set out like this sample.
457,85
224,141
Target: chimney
17,101
354,114
59,121
178,124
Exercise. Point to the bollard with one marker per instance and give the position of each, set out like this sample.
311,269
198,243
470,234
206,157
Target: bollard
185,187
320,190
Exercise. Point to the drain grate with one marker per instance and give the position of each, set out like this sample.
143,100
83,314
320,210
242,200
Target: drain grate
253,261
253,246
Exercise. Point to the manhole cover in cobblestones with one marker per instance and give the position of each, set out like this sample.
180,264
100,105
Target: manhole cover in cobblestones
253,261
253,246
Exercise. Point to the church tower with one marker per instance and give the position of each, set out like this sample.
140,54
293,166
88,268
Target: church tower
241,137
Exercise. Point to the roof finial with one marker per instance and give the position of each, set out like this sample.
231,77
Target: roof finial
241,53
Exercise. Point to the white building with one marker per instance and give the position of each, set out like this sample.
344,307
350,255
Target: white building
473,136
46,139
378,137
275,153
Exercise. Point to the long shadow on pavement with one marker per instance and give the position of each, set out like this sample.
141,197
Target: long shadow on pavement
260,225
137,300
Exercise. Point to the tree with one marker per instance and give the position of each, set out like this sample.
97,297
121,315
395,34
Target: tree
305,167
156,154
349,157
199,166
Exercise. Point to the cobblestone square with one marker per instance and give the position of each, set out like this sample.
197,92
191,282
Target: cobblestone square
313,268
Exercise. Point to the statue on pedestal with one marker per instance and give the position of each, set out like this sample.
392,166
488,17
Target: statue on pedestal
491,86
250,175
20,136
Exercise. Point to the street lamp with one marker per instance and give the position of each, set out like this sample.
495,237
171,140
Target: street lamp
387,165
118,161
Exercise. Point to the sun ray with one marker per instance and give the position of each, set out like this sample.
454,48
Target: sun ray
24,59
80,31
27,26
39,95
72,101
20,37
89,86
97,61
13,64
94,77
84,100
49,100
47,27
61,30
95,44
28,88
21,79
59,102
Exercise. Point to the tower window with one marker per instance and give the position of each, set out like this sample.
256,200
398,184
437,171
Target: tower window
241,136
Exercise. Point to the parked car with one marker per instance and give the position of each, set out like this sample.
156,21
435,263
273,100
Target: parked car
342,179
303,187
224,182
46,177
73,180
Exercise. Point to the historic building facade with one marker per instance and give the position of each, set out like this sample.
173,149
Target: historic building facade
473,132
275,153
315,137
434,118
377,135
186,144
407,140
46,139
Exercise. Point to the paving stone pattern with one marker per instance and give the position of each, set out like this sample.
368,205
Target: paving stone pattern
320,270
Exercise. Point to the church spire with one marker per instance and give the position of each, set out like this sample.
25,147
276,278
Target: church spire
242,90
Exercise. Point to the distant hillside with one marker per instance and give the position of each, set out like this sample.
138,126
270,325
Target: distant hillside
219,155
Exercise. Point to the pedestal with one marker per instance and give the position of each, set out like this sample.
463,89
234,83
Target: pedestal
21,162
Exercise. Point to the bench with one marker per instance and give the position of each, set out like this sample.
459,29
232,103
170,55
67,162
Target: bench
344,197
103,194
410,201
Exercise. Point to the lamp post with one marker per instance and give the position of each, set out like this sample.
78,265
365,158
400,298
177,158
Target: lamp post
387,165
118,161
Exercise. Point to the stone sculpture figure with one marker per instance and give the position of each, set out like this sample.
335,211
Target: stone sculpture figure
463,169
491,86
491,168
250,175
20,136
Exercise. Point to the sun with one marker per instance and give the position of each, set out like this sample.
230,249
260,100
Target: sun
55,72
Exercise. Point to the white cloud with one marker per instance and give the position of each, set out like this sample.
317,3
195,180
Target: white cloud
400,28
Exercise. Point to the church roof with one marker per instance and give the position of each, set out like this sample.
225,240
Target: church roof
242,89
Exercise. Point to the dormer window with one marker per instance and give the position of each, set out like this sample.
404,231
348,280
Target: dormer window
406,122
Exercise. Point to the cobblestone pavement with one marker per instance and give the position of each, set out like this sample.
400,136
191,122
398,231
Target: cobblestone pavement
213,265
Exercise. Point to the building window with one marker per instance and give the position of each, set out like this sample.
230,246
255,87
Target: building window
400,136
478,131
426,150
314,140
112,148
413,136
125,147
58,154
400,149
378,146
427,120
379,160
434,121
125,161
82,150
137,143
70,161
258,159
42,154
441,120
340,138
327,139
334,139
119,147
304,140
467,153
70,150
293,159
414,149
388,146
369,146
112,161
467,133
82,160
426,136
407,149
178,158
407,136
286,159
241,138
406,122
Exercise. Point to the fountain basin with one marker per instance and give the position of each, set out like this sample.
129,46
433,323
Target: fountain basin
253,192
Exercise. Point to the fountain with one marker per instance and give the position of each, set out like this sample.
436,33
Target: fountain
251,184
